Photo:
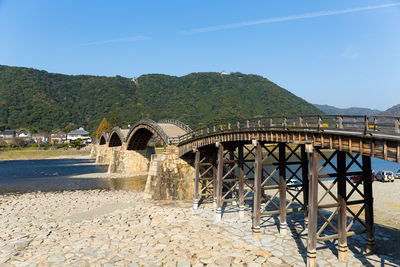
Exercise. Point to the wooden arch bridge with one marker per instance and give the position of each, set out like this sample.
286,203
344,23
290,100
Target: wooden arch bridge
138,136
278,165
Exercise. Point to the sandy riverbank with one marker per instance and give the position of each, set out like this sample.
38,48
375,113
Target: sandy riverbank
43,154
386,201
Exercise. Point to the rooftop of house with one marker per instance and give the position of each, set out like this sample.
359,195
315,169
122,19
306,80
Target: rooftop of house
58,132
9,132
39,134
23,131
79,131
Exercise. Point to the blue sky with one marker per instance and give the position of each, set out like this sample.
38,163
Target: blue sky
343,52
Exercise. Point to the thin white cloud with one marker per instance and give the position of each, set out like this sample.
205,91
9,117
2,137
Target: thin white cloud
350,53
288,18
119,40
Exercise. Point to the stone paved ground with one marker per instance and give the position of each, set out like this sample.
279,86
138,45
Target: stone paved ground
292,247
115,228
118,228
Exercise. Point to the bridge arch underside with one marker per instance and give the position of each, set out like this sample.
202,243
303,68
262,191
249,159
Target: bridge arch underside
115,140
139,138
103,140
373,146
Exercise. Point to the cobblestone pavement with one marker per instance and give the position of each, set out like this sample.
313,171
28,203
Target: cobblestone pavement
115,228
292,247
119,228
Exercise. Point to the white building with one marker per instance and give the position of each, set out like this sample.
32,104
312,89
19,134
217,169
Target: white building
79,134
58,137
40,138
24,134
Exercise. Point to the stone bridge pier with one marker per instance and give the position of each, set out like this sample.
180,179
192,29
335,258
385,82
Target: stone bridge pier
170,177
128,162
127,152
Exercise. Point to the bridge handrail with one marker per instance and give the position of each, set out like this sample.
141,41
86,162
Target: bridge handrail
178,123
366,125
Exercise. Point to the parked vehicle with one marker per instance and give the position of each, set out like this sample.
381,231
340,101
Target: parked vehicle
357,178
294,184
397,174
385,176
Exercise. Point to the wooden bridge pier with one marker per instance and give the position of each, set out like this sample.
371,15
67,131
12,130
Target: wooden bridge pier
230,172
343,217
223,168
205,176
284,168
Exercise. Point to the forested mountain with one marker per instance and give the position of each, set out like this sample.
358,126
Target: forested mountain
40,100
331,110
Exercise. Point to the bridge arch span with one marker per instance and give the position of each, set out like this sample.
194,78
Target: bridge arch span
103,139
141,133
116,137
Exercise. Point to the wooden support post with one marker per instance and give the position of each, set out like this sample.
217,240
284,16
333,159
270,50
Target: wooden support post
385,150
215,174
304,173
369,200
196,179
398,153
312,211
235,197
342,217
257,189
220,173
241,181
282,188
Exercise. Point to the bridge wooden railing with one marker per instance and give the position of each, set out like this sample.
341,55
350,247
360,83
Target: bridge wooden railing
383,126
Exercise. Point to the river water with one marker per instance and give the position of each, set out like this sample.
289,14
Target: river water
57,174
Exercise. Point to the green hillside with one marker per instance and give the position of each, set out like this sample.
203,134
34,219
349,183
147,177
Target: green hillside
40,100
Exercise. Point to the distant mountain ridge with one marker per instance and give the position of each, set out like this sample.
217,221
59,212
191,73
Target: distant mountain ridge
393,111
331,110
39,100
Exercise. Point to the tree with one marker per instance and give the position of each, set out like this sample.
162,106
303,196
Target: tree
115,120
103,127
70,126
